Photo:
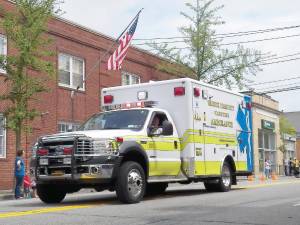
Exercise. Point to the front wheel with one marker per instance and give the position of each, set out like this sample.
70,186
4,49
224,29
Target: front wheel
130,182
50,194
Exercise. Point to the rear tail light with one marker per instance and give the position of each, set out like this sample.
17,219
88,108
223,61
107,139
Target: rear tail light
42,152
67,151
108,99
179,91
196,92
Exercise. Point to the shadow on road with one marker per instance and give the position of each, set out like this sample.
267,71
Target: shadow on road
110,198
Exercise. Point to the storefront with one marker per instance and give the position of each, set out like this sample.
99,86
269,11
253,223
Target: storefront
267,145
266,135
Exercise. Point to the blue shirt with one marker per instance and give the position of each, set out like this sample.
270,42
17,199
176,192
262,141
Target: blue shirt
19,169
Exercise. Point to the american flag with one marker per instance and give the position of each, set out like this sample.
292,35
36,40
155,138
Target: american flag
115,60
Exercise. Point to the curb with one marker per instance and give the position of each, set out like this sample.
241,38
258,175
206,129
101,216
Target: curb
7,195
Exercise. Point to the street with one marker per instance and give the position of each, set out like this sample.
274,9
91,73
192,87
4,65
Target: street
271,202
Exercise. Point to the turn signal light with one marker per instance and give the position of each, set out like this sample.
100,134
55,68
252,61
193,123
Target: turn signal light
67,151
108,99
179,91
119,139
42,152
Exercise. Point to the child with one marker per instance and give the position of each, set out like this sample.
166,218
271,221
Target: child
27,186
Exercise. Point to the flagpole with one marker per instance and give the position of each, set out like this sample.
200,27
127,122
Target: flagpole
130,23
98,63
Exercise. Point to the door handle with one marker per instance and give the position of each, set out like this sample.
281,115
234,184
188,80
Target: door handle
175,145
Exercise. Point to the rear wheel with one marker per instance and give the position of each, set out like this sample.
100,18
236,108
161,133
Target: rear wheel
223,184
130,183
50,194
156,188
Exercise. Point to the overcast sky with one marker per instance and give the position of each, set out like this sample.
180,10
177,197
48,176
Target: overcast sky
161,18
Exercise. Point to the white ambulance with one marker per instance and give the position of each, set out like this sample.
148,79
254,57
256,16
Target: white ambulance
150,135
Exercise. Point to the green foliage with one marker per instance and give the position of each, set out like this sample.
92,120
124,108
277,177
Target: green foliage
286,127
204,59
25,30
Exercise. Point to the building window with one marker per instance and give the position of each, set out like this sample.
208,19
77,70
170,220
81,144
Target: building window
128,78
71,71
2,137
3,49
67,127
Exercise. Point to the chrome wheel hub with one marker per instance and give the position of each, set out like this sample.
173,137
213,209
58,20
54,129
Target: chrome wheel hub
135,182
226,176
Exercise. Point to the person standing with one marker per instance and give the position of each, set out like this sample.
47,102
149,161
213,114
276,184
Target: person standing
286,166
19,173
267,168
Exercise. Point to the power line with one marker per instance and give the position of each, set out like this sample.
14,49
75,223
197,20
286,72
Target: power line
274,81
225,35
232,43
276,86
281,90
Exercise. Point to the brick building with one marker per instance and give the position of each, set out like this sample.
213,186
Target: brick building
77,50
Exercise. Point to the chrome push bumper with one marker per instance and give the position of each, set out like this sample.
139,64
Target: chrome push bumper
97,171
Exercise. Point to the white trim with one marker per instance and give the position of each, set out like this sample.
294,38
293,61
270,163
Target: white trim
3,156
71,57
5,50
268,114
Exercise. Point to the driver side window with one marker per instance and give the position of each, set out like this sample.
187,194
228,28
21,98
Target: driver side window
156,123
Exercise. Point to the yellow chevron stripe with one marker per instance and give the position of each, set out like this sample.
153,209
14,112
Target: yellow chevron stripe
164,168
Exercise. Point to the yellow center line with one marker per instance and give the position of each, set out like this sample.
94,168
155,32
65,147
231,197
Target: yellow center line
41,211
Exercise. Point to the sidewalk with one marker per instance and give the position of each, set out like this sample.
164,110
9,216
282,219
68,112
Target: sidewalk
9,194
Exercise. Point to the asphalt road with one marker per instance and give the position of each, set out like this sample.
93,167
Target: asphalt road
249,203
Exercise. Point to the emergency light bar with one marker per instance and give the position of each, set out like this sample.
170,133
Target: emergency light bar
146,104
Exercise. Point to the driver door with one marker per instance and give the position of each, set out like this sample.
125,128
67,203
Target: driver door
163,150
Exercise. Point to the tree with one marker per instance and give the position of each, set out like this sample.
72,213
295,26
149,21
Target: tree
203,58
25,30
285,127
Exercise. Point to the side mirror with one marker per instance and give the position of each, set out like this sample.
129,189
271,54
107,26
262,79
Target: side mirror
167,128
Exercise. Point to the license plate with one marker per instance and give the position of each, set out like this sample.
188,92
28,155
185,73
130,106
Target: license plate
57,172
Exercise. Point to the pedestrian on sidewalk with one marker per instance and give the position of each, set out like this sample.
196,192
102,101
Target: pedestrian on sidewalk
19,174
267,168
291,167
27,186
286,167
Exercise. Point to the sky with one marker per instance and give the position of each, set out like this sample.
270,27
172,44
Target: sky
161,18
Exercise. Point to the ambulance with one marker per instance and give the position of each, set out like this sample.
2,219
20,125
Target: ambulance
150,135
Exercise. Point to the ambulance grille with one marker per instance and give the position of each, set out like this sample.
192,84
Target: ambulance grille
90,147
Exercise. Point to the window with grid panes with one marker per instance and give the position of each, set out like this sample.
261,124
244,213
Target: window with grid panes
129,78
3,49
2,137
71,71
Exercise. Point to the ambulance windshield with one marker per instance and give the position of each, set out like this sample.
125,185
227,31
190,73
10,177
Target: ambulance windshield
123,119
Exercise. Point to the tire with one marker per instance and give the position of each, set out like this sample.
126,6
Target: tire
50,194
225,181
222,184
156,188
130,183
211,187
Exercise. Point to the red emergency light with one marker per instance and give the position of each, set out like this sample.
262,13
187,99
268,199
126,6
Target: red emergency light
179,91
196,92
108,99
119,139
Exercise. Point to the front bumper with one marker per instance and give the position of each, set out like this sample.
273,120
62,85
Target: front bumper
101,169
